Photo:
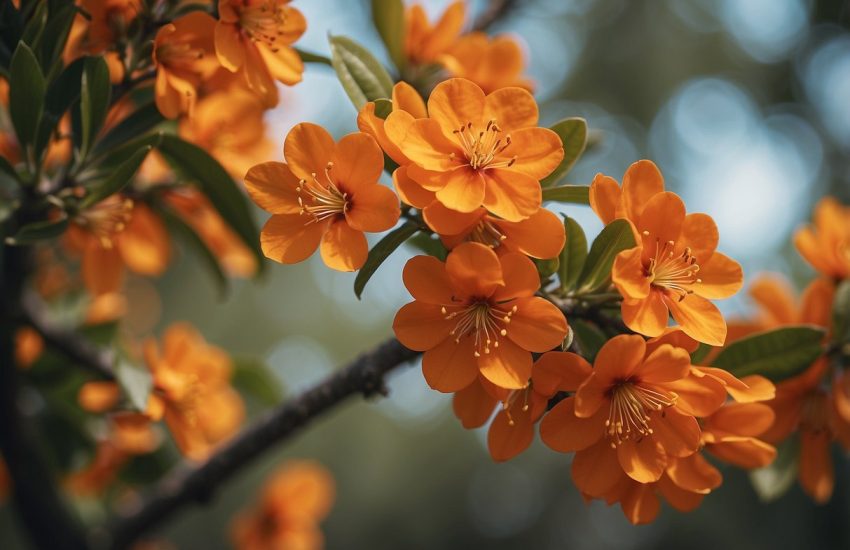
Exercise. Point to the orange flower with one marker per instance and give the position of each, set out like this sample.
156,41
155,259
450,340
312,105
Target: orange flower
108,21
191,387
193,206
491,62
114,233
425,43
477,313
326,193
255,37
229,125
478,150
406,99
802,404
641,399
512,430
297,497
675,268
826,246
732,434
182,54
29,346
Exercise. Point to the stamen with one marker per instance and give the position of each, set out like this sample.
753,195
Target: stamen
481,321
482,148
630,408
262,21
487,233
673,272
107,218
321,199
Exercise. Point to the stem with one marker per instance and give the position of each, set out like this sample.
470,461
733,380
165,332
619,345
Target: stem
187,484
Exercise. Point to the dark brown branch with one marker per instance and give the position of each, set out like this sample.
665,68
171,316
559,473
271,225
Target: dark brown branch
494,12
71,345
187,485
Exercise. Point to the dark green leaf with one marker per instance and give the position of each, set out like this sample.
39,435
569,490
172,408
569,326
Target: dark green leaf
116,180
35,26
61,94
362,76
11,26
95,94
26,94
135,382
776,354
588,337
573,256
190,237
774,480
430,245
198,167
614,238
573,134
700,353
388,16
383,108
55,35
8,170
381,252
309,57
38,231
575,194
141,121
253,377
841,313
546,268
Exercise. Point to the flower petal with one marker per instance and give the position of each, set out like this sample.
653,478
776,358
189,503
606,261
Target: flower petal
677,433
421,326
455,103
629,275
290,238
640,504
699,319
510,194
358,162
750,419
521,278
228,46
605,197
817,474
450,366
274,188
744,452
698,396
537,151
537,325
406,98
426,279
473,405
373,208
409,191
641,181
816,303
507,366
559,371
463,189
343,247
661,220
541,235
643,460
699,233
474,269
512,108
596,470
144,244
308,148
694,473
283,62
720,277
648,316
665,364
565,432
620,357
508,437
446,221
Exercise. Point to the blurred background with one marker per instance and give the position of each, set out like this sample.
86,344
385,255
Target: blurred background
744,105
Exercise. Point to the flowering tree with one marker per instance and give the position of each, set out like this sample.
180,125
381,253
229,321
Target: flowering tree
130,125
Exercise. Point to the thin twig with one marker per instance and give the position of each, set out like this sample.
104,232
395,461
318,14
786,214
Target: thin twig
187,485
71,345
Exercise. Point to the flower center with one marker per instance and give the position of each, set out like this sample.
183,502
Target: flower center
481,148
107,218
481,321
262,21
178,55
514,398
322,199
486,232
671,271
631,405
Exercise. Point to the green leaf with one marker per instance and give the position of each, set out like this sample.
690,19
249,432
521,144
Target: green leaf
776,354
841,313
196,166
190,237
362,76
774,480
55,35
135,382
383,108
253,377
26,94
95,94
35,26
61,94
574,194
614,238
141,121
8,170
546,268
116,180
573,255
310,57
38,231
430,245
700,353
588,337
573,134
388,16
381,252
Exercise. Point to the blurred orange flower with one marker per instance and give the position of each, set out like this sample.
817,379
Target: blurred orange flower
325,193
115,233
675,268
29,346
297,497
732,434
491,62
183,55
478,150
108,20
424,42
191,387
254,37
826,245
477,313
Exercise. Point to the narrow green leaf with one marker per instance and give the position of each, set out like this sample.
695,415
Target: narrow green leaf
34,28
135,382
776,354
55,35
95,93
11,27
388,16
381,252
8,170
573,134
38,231
115,181
546,268
253,377
430,245
179,226
362,76
139,122
588,337
61,94
841,313
774,480
575,194
614,238
310,57
197,166
700,353
26,94
573,255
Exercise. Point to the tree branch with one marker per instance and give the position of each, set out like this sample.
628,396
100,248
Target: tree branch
495,11
71,345
185,485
